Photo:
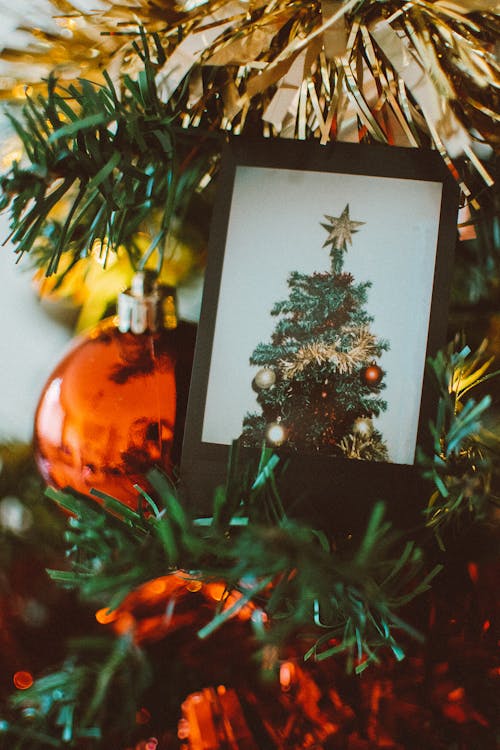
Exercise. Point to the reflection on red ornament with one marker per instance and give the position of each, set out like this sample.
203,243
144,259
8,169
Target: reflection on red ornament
112,409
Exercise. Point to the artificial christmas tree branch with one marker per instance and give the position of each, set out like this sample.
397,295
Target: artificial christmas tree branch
113,158
94,694
465,465
282,568
113,554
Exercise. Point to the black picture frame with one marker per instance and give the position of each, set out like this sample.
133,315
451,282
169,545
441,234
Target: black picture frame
396,185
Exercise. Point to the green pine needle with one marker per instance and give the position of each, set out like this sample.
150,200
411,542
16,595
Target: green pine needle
112,552
466,455
110,162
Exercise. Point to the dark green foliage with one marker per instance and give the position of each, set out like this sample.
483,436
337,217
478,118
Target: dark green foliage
94,694
345,601
318,350
465,464
476,270
112,159
248,544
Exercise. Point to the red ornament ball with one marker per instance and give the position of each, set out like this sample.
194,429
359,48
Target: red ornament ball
111,410
372,375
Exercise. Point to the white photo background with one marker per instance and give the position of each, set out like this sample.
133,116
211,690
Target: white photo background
275,228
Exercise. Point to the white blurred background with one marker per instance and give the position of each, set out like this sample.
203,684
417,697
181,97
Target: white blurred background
31,342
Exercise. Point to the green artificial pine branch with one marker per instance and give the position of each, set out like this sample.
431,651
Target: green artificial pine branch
344,601
109,159
288,572
94,694
113,550
465,464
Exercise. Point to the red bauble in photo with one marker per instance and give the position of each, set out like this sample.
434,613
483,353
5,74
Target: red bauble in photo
372,375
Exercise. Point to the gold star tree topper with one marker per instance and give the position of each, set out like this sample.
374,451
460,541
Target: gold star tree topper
341,228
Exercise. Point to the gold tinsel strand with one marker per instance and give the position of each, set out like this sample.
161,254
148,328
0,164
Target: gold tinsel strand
363,347
364,447
404,73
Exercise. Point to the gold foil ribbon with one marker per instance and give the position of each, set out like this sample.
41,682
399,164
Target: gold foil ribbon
286,99
189,51
397,71
335,37
363,346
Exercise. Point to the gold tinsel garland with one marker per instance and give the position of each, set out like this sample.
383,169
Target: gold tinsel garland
364,447
404,73
362,348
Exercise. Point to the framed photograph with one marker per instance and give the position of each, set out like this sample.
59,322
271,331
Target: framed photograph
326,289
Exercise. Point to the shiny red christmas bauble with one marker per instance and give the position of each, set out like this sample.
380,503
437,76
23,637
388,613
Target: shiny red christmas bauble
372,375
113,408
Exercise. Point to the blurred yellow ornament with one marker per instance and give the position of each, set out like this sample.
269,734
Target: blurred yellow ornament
93,283
182,254
87,285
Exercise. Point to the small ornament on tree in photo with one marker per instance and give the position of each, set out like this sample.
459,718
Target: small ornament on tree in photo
276,432
324,392
372,375
265,378
363,426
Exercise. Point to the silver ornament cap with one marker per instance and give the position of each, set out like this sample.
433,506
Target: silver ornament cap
146,306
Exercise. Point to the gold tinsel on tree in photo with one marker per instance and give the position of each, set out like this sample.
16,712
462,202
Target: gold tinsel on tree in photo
364,346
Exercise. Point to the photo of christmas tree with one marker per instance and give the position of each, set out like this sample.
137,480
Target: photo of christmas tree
319,282
319,380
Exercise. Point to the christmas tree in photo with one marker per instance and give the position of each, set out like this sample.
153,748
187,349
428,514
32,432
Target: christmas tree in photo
319,380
